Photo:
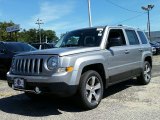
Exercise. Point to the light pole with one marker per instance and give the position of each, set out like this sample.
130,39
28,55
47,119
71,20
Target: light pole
148,8
39,22
89,13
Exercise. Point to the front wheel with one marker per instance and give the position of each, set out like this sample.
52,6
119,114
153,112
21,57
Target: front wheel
90,89
145,76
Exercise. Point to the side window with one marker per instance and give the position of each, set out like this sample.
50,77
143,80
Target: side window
116,38
132,37
142,37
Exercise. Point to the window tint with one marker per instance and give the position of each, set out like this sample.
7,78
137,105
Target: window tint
142,37
132,37
116,38
1,47
19,47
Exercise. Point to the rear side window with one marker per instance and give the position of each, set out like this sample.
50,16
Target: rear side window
132,37
142,37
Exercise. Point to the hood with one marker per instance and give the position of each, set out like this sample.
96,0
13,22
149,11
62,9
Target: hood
62,51
157,46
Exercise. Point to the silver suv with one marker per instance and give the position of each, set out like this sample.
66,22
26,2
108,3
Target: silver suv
84,62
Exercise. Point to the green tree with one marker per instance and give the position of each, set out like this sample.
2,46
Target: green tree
30,36
4,36
49,34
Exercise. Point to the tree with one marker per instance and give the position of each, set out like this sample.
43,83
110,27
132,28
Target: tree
50,35
30,36
4,36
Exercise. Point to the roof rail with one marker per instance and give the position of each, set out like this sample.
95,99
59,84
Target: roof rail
120,25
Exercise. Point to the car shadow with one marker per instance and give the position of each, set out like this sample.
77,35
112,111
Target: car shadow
22,105
3,76
120,87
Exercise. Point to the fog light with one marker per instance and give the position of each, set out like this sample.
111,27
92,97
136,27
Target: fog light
37,90
67,69
60,70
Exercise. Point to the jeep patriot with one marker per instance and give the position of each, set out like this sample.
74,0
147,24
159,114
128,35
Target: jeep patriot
84,62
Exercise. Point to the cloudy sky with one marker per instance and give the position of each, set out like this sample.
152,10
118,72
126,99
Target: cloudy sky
66,15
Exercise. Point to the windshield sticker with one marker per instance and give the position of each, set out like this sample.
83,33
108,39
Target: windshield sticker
100,33
99,29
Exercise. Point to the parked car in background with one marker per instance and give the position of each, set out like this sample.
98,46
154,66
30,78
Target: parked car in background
43,45
156,45
8,50
158,41
154,50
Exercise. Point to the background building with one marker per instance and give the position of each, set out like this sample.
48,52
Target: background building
155,35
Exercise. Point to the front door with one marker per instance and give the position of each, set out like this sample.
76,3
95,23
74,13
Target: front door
117,56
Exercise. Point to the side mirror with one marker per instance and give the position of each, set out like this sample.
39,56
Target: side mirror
3,51
114,42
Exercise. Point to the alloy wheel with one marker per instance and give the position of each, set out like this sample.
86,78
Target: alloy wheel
93,90
147,72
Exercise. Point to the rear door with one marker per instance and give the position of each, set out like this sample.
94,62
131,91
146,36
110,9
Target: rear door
136,51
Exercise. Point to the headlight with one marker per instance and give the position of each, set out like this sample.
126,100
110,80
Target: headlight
52,63
13,65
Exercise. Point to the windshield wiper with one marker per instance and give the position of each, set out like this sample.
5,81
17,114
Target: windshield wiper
70,45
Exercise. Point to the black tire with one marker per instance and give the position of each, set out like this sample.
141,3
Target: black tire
90,99
145,76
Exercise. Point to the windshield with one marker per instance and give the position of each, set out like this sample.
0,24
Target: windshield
82,38
19,47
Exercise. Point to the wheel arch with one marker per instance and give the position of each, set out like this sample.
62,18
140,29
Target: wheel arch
95,62
99,68
149,59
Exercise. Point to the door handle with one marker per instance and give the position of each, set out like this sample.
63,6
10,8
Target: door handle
126,51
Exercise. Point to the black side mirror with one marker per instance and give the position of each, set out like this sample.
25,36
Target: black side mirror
114,42
3,51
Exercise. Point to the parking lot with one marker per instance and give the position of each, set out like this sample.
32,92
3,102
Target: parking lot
126,100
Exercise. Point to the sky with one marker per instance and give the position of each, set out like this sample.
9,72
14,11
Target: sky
66,15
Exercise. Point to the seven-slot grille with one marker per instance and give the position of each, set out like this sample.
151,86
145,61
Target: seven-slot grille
28,66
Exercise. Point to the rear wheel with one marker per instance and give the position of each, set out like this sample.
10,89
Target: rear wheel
145,76
90,89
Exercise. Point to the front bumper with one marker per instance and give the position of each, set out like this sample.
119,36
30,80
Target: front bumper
57,84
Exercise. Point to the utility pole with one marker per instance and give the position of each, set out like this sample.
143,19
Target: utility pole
46,39
148,8
89,13
39,22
